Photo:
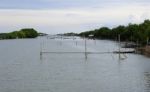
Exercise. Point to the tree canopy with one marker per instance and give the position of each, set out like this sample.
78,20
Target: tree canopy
131,32
23,33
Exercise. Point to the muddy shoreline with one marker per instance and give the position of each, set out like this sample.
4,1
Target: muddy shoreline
144,50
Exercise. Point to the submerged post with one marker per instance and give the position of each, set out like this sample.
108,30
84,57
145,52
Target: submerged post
76,43
95,41
85,49
40,50
119,46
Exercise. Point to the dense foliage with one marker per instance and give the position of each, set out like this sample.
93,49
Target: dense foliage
23,33
132,32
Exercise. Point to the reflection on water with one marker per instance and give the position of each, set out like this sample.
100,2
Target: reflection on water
147,81
23,70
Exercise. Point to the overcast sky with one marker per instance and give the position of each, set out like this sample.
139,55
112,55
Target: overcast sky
59,16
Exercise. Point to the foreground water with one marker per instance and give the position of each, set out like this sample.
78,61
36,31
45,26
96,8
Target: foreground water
23,70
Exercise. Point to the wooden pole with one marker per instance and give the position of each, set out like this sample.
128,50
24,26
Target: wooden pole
85,49
147,40
76,43
41,50
119,46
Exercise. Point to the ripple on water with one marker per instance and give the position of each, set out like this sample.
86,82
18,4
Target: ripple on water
147,81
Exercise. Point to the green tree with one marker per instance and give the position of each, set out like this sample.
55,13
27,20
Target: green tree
29,33
102,33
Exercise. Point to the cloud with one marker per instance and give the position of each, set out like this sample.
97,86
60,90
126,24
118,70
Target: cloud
57,4
89,15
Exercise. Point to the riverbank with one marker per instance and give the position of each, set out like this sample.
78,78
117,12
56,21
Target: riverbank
147,51
144,50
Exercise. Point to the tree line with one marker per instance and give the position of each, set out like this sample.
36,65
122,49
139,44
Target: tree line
23,33
131,32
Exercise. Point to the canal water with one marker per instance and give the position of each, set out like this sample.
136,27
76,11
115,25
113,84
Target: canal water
22,69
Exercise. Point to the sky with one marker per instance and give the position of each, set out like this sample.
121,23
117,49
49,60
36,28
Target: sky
61,16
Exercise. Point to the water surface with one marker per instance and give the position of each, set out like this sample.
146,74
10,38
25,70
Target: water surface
22,69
